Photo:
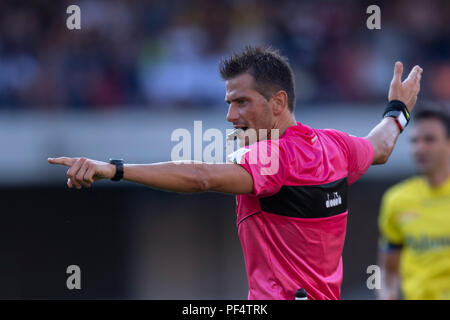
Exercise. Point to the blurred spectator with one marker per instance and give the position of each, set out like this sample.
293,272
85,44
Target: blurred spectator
156,54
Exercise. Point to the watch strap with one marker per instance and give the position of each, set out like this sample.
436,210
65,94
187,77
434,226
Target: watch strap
119,169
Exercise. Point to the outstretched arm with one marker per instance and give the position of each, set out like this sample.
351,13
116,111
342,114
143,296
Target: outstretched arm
384,136
171,176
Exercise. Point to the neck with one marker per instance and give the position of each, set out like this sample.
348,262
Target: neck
284,123
438,177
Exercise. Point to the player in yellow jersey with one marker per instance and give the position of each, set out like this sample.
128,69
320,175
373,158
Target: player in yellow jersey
414,222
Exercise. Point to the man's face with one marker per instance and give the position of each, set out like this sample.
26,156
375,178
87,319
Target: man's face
430,145
248,109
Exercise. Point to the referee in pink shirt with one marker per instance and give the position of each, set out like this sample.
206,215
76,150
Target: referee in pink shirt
291,219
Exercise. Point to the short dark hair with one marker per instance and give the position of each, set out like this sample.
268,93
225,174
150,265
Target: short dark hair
270,70
437,111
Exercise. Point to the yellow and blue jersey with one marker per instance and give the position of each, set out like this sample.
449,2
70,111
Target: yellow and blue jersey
416,217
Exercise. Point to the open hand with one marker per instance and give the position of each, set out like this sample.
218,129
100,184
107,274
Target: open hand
407,90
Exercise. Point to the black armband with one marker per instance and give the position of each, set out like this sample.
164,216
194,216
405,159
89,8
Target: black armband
398,110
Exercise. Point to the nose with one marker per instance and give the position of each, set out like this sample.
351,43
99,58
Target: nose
419,148
233,113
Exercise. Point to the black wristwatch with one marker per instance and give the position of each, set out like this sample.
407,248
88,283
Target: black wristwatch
119,169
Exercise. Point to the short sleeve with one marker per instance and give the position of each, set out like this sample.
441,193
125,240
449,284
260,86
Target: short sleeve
359,154
390,232
266,163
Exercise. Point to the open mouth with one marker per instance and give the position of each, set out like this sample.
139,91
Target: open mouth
238,131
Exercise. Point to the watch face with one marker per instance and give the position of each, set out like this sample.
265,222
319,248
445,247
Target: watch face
116,161
394,113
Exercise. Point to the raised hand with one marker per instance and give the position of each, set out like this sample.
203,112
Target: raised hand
84,172
407,90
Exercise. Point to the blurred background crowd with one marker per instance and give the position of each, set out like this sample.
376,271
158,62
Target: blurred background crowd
164,54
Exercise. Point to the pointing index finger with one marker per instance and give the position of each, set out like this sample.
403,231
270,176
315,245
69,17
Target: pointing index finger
62,160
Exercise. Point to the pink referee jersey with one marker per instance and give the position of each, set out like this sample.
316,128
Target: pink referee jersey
292,227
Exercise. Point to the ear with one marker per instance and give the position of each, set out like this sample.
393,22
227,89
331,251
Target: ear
279,102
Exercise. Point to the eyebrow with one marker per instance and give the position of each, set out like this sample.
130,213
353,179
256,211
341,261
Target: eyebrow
236,99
